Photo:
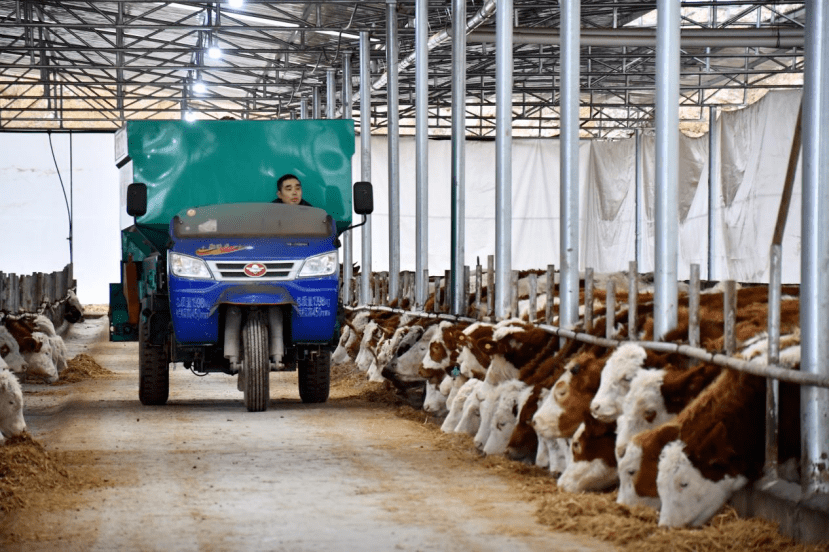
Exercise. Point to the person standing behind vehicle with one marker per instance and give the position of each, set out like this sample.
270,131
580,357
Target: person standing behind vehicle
289,191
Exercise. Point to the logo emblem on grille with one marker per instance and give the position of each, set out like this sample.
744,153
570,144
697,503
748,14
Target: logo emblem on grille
255,270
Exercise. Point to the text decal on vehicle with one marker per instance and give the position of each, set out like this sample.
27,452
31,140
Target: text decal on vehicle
192,308
313,306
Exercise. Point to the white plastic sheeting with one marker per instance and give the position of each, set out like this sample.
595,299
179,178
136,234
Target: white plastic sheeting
754,152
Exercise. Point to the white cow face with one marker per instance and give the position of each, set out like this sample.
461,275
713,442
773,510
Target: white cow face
629,465
41,363
470,419
545,420
513,396
11,405
583,476
489,400
456,405
643,408
617,375
435,401
688,498
347,338
10,351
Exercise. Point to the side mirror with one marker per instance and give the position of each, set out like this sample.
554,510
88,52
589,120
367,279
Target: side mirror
136,199
363,198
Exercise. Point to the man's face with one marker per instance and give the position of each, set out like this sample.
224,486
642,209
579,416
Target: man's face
291,192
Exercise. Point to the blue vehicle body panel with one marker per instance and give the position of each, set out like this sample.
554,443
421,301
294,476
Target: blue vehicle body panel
194,303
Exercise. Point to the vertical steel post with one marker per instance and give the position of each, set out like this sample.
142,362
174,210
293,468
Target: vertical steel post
772,385
551,288
633,299
348,248
503,156
365,156
490,286
610,308
317,112
303,108
814,258
693,307
713,183
667,173
730,316
392,47
588,299
330,93
422,151
458,152
570,90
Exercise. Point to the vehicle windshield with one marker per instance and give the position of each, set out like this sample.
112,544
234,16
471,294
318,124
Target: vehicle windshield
252,219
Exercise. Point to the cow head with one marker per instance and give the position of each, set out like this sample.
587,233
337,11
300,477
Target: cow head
616,377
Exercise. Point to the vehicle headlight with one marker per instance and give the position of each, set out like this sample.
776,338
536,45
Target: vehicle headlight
320,265
188,267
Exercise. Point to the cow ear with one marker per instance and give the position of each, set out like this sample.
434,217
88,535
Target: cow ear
29,345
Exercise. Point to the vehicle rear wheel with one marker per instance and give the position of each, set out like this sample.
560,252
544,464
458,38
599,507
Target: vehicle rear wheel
314,377
256,367
153,369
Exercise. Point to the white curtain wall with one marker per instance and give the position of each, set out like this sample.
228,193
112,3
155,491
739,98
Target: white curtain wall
754,151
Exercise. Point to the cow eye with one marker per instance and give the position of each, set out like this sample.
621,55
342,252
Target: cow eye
577,447
4,351
631,472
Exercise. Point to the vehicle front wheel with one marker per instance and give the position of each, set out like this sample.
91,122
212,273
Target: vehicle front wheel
314,377
153,368
256,367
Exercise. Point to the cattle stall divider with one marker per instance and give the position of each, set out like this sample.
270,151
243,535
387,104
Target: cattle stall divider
37,294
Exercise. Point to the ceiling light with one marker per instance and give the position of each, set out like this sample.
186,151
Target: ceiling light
236,3
189,116
199,87
214,52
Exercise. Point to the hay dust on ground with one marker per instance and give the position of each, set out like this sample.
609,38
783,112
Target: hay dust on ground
32,476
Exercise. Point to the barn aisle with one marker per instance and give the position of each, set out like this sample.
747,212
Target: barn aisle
201,473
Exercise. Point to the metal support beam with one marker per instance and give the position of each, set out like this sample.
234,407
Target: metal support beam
393,136
713,184
422,152
330,93
458,154
569,256
365,161
503,157
814,295
667,172
348,247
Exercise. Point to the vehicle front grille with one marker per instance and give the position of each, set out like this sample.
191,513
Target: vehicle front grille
235,270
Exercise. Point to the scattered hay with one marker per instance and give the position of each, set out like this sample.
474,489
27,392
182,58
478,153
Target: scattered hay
636,528
347,376
26,467
82,367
